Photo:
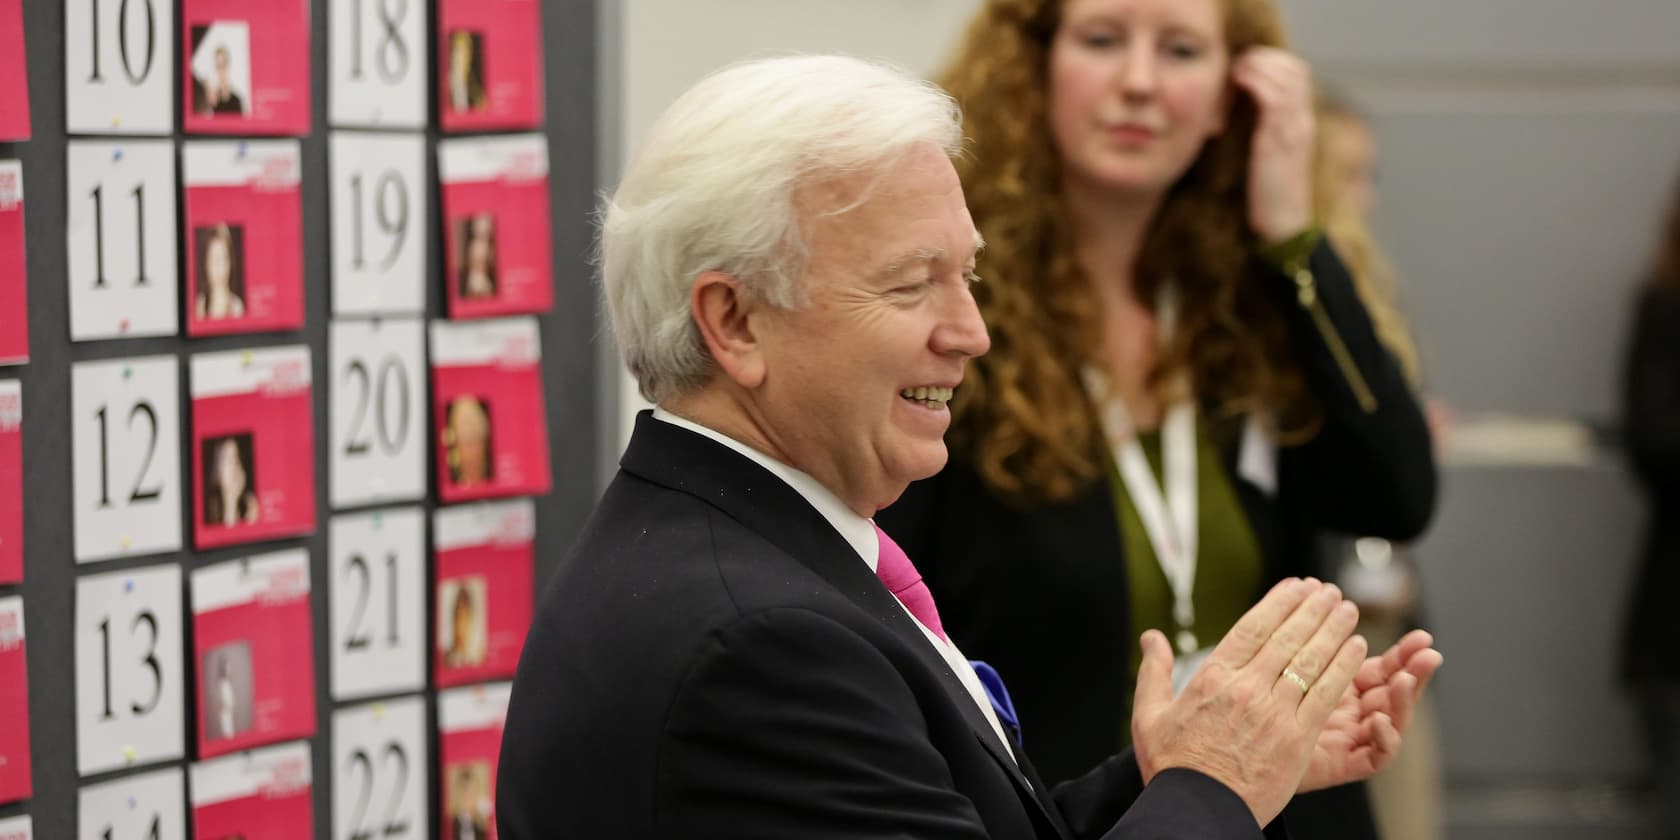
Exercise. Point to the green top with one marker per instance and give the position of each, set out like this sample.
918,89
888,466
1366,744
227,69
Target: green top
1228,562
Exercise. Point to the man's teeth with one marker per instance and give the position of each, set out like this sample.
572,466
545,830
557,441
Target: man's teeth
930,396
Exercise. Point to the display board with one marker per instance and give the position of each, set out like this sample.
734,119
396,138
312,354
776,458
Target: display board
226,258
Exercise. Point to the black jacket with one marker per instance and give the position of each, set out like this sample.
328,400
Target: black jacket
1651,413
1041,593
713,660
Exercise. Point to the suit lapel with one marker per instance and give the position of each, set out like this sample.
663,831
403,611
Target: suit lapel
683,460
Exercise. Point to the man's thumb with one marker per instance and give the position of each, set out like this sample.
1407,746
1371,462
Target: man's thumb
1154,680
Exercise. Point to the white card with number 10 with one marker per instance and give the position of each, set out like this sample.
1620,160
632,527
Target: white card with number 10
378,586
378,223
379,770
147,806
120,233
128,668
119,67
125,435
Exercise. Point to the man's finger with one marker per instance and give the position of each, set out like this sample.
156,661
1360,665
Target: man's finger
1315,708
1313,657
1154,680
1291,636
1256,626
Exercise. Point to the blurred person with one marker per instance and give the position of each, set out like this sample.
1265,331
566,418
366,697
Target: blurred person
219,282
478,257
226,700
215,94
466,440
733,649
1162,306
229,498
1378,575
463,650
466,71
1651,416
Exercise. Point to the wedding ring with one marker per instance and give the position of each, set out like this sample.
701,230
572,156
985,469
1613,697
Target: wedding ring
1289,674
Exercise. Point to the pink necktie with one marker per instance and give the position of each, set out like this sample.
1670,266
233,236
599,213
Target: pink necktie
900,577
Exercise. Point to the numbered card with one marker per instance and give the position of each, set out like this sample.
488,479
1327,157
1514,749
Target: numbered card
495,225
378,396
484,589
14,703
120,232
378,585
377,64
14,268
14,74
253,644
11,482
489,64
260,795
125,428
379,223
145,806
16,828
244,236
379,771
253,446
128,669
487,406
246,67
470,725
119,56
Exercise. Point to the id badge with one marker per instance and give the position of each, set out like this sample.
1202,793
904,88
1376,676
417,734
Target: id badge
1185,667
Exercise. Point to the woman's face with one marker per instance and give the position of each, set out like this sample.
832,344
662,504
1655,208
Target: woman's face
229,472
218,264
1137,87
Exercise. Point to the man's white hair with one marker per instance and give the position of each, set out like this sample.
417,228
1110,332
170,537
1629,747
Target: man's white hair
713,189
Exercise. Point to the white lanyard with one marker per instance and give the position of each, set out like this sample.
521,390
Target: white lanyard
1170,518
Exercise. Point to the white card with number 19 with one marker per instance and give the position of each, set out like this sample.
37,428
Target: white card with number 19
378,223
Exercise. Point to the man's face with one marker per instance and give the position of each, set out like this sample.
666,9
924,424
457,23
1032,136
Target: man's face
856,382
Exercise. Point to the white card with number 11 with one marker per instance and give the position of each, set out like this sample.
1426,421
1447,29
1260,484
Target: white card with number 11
120,236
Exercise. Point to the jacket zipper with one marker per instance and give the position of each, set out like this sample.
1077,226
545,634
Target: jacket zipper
1306,291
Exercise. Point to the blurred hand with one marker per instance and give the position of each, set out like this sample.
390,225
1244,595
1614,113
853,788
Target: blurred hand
1364,732
1280,169
1239,720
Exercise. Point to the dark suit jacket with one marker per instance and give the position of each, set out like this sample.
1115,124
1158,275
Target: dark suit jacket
1040,592
714,660
1651,413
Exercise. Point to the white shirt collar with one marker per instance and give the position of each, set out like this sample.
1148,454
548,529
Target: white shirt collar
856,530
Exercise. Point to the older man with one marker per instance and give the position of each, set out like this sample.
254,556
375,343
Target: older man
733,649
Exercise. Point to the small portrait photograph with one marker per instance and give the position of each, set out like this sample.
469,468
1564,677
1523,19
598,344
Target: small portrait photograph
220,285
227,690
230,481
465,92
467,807
466,441
475,241
220,66
462,621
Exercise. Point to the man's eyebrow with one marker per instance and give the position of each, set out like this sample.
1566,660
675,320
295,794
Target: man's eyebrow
924,255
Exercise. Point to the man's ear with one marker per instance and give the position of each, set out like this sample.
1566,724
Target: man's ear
723,310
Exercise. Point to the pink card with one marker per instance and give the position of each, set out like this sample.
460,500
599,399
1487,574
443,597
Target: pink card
253,440
484,589
262,795
14,280
252,646
490,69
14,703
245,67
470,726
14,75
11,482
495,222
487,408
244,236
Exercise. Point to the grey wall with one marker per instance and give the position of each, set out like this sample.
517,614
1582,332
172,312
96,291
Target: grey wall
1528,148
569,362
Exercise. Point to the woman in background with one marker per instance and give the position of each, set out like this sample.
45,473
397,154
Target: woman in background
228,498
1184,389
217,296
1651,414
